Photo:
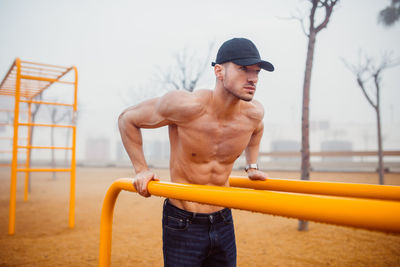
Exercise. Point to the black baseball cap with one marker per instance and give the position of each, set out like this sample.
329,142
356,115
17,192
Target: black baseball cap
243,52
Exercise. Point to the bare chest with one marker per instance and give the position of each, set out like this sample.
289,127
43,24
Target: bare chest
204,139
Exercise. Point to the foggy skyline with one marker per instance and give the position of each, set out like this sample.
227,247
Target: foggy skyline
118,46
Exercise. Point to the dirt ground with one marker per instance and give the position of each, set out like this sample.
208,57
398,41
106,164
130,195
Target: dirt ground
43,238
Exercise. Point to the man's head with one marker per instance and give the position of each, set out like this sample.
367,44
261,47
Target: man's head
237,66
243,52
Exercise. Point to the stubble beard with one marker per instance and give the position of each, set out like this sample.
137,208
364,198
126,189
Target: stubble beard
246,98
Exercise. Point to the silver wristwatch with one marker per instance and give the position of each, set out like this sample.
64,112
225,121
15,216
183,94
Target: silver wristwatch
251,166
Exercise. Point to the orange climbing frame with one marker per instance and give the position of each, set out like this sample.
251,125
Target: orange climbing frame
25,81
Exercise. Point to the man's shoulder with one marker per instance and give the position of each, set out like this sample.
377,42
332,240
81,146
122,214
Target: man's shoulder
181,104
254,110
196,96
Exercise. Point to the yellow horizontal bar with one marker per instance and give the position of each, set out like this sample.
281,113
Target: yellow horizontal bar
41,74
45,147
43,170
43,69
37,78
385,192
370,214
343,153
46,103
42,64
46,125
363,213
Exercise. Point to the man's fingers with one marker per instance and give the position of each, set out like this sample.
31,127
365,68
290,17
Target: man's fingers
257,175
141,181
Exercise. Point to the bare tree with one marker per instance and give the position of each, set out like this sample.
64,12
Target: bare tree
34,111
55,117
72,117
313,29
369,79
390,14
187,70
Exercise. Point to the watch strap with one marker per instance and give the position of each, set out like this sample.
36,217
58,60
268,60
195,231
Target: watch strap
251,166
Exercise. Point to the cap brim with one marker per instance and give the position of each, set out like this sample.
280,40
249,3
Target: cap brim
252,61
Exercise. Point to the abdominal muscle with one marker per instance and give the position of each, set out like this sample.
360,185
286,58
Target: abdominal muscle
211,173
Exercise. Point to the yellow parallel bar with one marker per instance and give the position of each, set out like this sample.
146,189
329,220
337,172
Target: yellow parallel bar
45,147
343,153
106,220
46,103
38,78
14,162
43,170
47,125
363,213
385,192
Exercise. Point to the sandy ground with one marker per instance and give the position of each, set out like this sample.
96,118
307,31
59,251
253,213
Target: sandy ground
43,238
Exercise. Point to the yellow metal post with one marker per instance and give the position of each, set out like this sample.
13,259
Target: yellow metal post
75,89
28,152
72,181
14,162
371,214
73,154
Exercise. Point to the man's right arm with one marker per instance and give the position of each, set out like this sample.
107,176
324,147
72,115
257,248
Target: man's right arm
153,113
143,115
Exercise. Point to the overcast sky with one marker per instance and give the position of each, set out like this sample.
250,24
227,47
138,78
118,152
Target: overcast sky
119,45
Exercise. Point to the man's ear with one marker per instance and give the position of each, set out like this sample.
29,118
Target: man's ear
219,71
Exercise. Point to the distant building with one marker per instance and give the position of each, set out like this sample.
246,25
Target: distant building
285,146
337,145
324,125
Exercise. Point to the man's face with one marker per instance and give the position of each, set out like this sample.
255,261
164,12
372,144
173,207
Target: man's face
241,81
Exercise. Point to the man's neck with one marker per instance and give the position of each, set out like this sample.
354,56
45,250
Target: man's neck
224,104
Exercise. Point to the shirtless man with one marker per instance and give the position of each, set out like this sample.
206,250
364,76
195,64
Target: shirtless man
208,131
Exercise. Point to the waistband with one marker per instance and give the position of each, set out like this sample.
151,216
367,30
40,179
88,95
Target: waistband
200,218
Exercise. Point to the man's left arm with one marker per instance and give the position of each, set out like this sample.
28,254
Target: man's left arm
251,152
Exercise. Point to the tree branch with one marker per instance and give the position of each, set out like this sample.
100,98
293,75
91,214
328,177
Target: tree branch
361,84
300,18
328,4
